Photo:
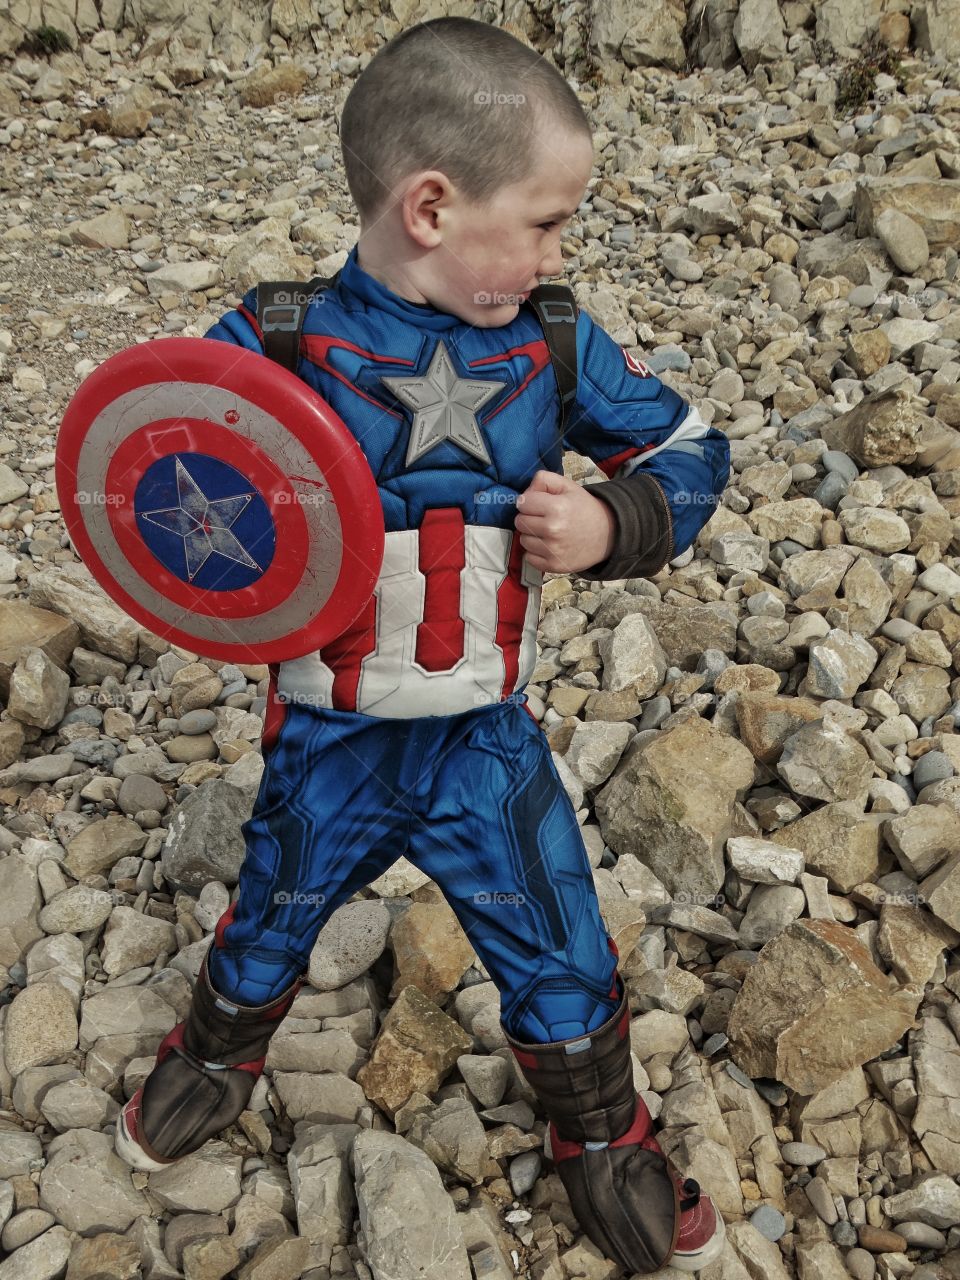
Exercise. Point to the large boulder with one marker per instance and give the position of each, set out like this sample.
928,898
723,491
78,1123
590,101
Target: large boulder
814,1005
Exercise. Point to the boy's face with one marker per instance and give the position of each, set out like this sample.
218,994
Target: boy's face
489,258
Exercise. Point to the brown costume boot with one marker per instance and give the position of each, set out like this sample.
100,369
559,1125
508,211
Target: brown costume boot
205,1072
628,1197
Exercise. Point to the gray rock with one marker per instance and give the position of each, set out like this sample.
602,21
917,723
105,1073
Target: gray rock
204,841
903,239
934,1201
769,1222
348,944
42,1259
407,1222
803,1153
86,1186
319,1166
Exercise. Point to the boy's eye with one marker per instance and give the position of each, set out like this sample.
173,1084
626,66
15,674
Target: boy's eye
547,225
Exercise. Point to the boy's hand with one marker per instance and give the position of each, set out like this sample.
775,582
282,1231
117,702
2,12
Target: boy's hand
562,527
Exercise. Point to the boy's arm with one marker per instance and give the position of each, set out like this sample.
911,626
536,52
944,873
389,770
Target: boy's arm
667,467
240,326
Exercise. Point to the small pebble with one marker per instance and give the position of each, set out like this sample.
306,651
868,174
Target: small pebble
735,1073
769,1222
803,1153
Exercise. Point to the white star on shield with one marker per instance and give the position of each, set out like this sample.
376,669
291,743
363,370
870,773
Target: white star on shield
444,407
203,523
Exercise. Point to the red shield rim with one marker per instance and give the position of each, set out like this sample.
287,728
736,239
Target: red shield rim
180,394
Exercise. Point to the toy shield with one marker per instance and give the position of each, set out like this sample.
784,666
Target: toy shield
219,500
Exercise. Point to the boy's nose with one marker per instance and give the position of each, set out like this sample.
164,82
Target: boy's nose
552,264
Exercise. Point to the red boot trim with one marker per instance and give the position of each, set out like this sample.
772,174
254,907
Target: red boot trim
173,1039
254,1068
640,1131
637,1135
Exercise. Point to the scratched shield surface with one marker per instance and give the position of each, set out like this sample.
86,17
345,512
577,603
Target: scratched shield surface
219,500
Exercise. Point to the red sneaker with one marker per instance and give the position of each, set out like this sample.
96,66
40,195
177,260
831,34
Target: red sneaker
701,1236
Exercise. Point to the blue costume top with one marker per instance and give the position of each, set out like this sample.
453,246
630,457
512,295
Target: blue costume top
454,422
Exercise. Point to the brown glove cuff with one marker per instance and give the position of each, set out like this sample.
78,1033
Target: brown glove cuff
644,538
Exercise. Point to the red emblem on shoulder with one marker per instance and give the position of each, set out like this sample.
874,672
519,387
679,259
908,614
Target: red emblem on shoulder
634,365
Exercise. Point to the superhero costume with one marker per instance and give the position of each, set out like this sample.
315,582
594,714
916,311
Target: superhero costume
409,734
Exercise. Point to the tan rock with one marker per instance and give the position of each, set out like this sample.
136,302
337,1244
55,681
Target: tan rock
934,206
418,1044
766,720
881,430
684,632
747,677
672,804
99,845
867,352
39,690
912,941
838,841
110,230
822,760
941,892
923,837
814,1005
41,1027
894,30
268,85
431,950
23,627
11,741
71,590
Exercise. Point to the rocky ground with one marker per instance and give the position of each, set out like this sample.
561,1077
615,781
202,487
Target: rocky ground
762,743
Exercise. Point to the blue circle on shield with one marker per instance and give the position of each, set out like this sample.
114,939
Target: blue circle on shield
205,521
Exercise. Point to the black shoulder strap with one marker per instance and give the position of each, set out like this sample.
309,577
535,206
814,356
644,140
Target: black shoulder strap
281,310
556,309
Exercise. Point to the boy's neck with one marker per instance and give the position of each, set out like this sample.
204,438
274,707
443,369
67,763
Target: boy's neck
383,260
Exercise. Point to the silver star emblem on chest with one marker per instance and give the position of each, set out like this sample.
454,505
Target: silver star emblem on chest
444,406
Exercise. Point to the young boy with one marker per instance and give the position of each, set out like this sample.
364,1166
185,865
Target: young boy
466,153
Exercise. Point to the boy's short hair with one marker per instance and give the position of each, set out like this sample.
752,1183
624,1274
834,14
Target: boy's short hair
456,95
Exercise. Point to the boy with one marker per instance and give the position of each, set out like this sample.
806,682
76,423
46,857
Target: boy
465,153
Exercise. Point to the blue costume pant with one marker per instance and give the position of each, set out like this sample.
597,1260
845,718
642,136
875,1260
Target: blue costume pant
475,802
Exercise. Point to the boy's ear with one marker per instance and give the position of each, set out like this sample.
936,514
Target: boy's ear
425,207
